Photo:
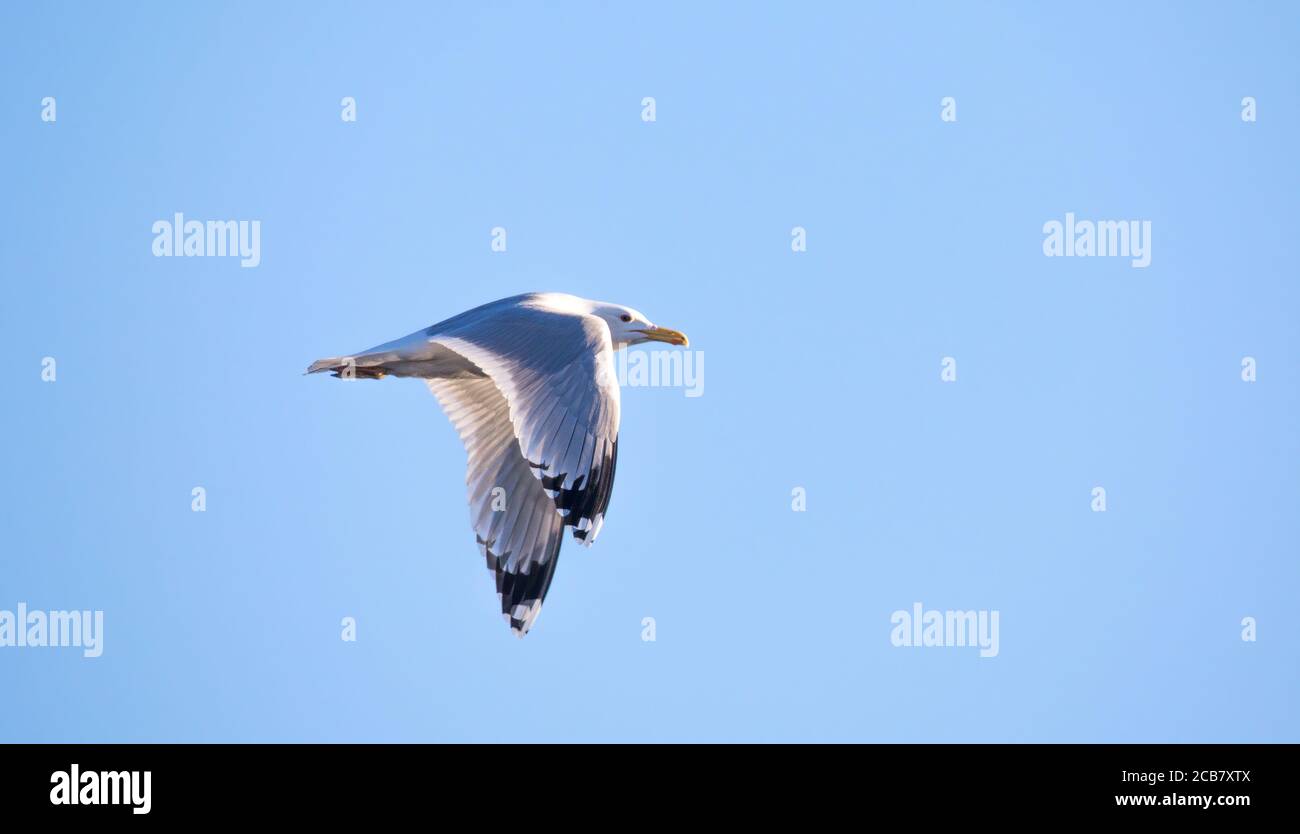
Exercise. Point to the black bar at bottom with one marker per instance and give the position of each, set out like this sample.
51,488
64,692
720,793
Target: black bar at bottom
215,782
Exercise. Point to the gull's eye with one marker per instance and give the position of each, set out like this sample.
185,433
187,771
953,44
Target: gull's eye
625,317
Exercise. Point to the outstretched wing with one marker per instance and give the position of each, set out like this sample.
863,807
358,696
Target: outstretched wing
555,371
517,528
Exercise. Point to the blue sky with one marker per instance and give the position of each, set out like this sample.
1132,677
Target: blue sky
327,500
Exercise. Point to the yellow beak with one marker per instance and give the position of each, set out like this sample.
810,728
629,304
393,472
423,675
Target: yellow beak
664,334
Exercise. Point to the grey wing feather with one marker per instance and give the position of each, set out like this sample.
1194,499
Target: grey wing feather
556,373
514,522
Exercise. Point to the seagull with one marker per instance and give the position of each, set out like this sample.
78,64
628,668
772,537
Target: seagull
528,383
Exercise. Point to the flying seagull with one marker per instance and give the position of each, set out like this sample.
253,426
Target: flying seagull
529,384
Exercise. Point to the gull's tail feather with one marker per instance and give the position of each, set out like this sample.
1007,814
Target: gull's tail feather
413,356
346,367
330,364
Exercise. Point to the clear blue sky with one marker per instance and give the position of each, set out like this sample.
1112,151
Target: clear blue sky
327,500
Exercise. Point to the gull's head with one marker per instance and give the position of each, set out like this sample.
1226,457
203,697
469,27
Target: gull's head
631,327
